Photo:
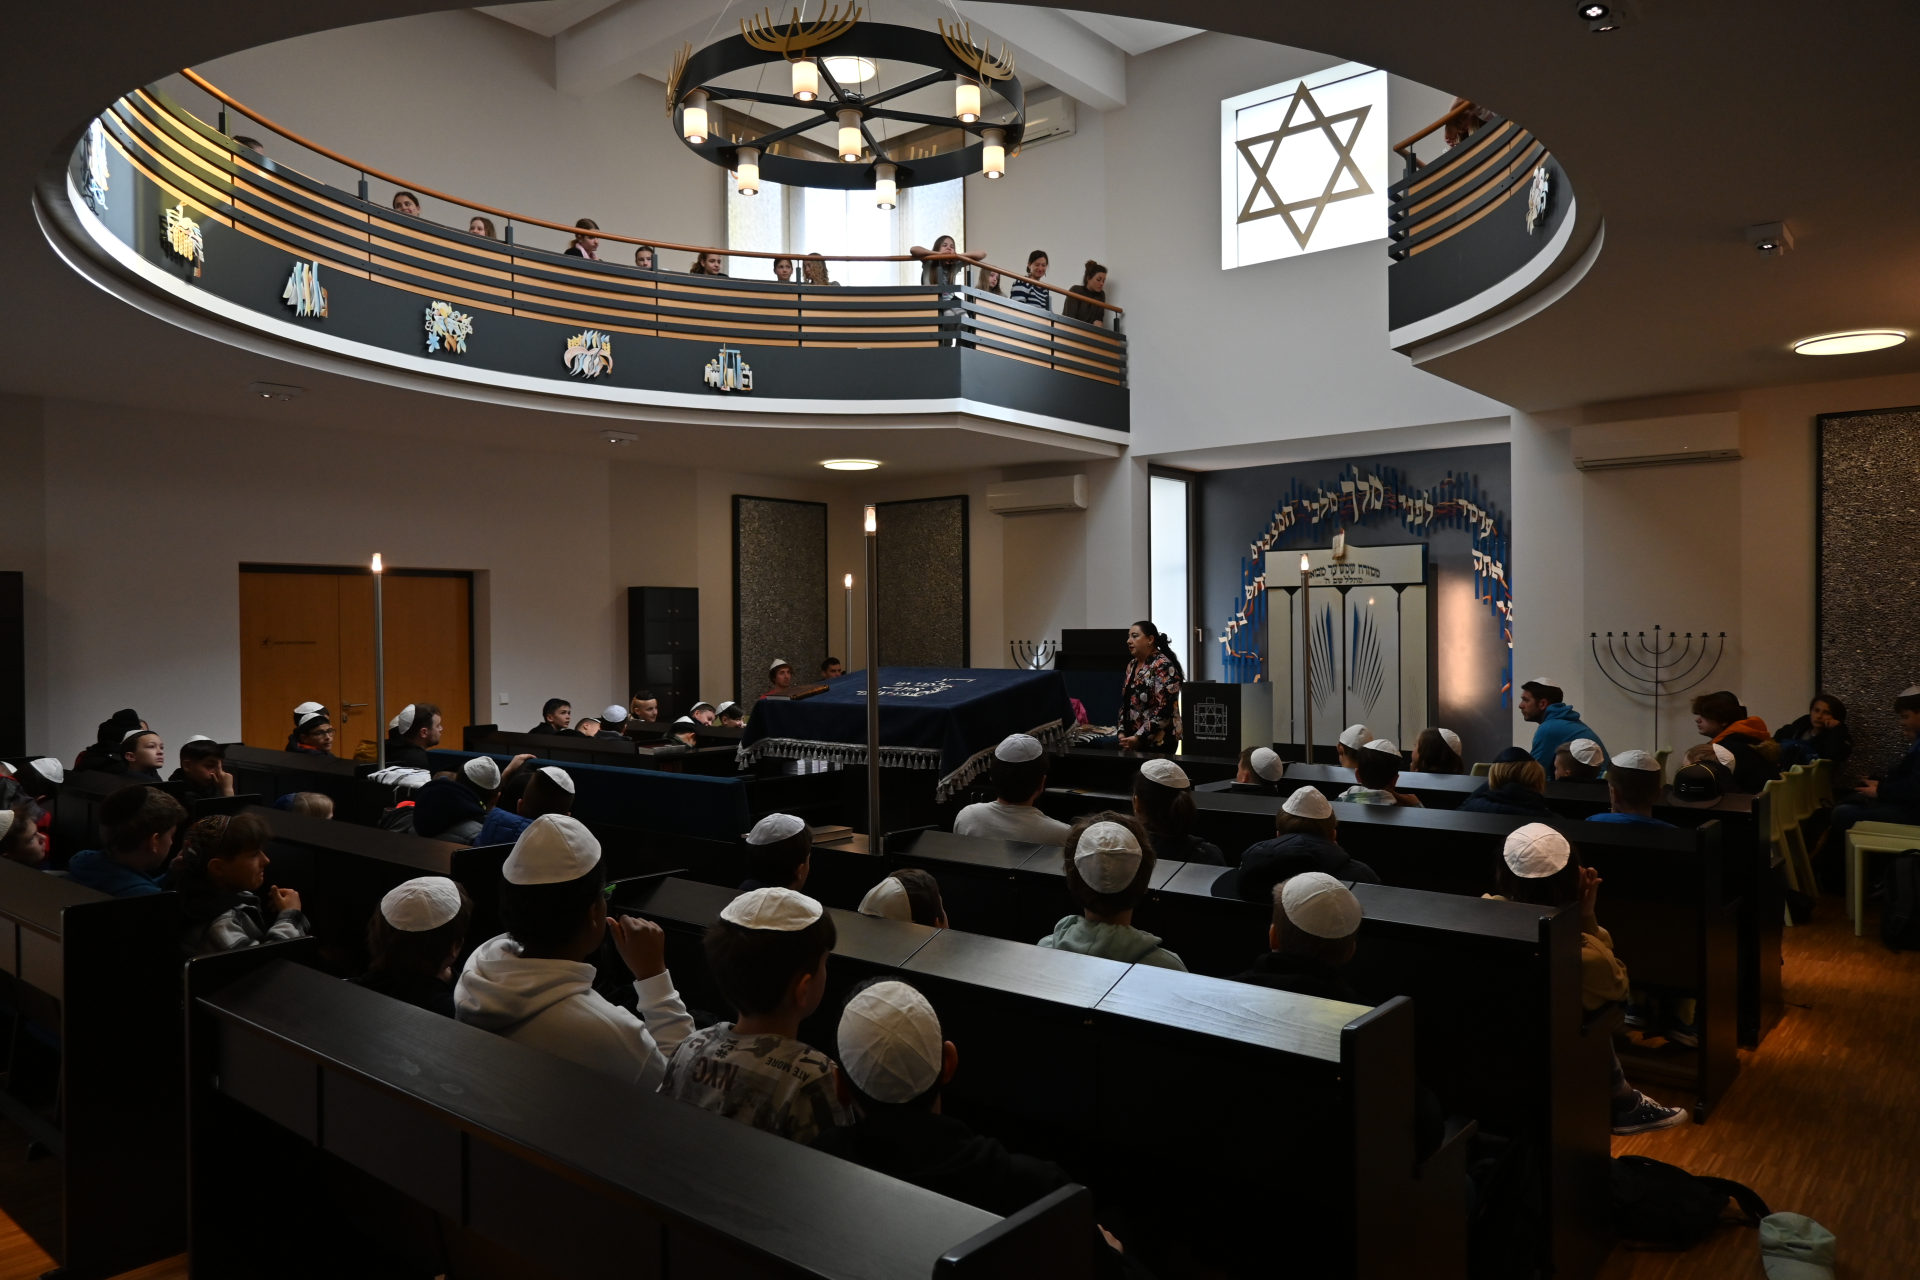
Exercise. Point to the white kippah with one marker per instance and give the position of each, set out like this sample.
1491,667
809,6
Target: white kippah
776,664
1551,684
1384,746
1910,691
1588,752
1536,851
1307,802
1724,756
422,904
688,721
1107,857
131,734
1634,759
49,768
1352,736
695,707
776,827
198,737
614,714
890,1042
553,850
305,718
1166,773
404,721
888,900
6,824
558,777
1266,763
483,772
1017,748
307,708
1452,740
1320,905
781,909
729,706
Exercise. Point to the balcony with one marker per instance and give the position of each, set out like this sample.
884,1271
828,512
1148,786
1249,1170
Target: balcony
172,206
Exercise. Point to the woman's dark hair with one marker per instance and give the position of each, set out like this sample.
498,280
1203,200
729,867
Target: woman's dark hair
926,1100
650,251
1170,810
545,917
587,224
1722,708
754,967
1556,890
952,244
1107,904
923,894
1835,708
1036,255
491,234
223,837
423,953
1160,646
1431,754
1093,269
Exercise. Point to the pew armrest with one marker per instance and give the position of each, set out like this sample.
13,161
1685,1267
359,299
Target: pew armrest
1051,1239
1441,1201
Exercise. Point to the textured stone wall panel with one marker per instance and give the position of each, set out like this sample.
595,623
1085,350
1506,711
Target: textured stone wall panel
923,583
779,589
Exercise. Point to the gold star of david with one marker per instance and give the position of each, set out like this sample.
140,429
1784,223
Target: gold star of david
1343,163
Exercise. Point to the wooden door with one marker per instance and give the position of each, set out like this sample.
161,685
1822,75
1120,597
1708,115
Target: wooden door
308,636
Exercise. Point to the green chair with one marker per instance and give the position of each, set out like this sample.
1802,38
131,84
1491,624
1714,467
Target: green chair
1866,838
1482,769
1798,786
1823,783
1773,797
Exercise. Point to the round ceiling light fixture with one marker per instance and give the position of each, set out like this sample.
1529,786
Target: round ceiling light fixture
850,70
1846,344
1592,12
850,464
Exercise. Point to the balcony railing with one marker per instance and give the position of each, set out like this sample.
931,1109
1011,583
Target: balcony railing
259,217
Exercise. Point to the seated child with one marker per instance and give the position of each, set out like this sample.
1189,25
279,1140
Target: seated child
414,938
1538,865
203,767
20,838
1347,746
1894,795
768,952
1018,773
1376,767
525,794
910,893
1634,786
1163,803
1578,761
779,853
1437,751
730,715
685,731
220,878
308,804
1516,785
1109,867
533,985
1305,835
1258,773
1316,926
140,823
1717,760
454,807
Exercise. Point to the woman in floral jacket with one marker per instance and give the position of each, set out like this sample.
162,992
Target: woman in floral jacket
1150,699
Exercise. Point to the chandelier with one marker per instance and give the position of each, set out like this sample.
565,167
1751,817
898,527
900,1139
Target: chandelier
832,67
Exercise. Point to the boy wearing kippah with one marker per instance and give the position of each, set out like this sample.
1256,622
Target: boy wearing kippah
779,854
1019,774
1109,867
1305,834
768,951
1316,927
1376,767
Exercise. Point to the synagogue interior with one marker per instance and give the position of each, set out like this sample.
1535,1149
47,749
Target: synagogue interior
599,678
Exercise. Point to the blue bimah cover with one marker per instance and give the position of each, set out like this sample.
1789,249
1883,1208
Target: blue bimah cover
942,718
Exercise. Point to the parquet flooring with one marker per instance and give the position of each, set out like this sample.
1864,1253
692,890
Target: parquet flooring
1824,1120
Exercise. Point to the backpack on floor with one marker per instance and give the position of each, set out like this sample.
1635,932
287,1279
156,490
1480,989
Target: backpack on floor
1659,1204
1900,916
1507,1226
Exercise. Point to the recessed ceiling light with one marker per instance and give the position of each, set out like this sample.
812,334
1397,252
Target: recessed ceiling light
1845,344
850,464
1594,12
274,390
619,437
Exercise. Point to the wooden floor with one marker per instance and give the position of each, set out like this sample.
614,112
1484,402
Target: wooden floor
1824,1120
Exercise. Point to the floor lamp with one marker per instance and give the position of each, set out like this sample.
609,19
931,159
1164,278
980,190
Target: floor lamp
876,838
379,667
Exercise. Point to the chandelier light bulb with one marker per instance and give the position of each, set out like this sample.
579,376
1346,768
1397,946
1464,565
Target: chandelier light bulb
993,155
806,80
966,101
872,524
884,194
693,118
851,144
747,171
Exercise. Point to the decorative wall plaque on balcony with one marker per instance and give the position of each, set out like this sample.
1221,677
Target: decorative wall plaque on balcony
728,372
304,292
183,236
589,353
448,328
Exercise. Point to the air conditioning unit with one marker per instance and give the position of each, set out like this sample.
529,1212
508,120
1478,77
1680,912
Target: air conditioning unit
1054,493
1049,116
1657,442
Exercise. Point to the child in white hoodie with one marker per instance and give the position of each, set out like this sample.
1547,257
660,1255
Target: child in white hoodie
1109,866
533,985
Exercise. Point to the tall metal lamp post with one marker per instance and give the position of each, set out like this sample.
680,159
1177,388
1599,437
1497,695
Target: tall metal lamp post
379,666
849,585
876,838
1306,648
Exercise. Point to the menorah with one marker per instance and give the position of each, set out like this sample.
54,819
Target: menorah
1665,666
1034,655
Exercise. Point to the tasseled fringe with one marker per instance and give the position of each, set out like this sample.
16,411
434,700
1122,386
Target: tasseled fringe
1053,737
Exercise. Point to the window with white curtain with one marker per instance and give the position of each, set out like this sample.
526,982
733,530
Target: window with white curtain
802,220
1167,563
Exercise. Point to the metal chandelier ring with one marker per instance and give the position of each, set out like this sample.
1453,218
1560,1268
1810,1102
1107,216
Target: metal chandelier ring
880,42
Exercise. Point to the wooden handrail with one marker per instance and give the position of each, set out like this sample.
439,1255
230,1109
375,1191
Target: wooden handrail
195,78
1400,148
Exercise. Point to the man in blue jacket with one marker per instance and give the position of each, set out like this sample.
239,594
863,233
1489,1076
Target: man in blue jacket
1896,797
1542,703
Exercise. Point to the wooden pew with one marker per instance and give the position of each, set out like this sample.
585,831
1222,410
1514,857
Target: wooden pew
1105,1066
92,987
1110,769
714,751
356,797
403,1143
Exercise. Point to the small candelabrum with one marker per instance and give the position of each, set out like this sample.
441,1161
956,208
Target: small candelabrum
1663,665
1034,655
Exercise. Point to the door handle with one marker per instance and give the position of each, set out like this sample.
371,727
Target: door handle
348,706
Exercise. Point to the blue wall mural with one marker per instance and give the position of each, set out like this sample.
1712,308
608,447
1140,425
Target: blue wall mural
1454,500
